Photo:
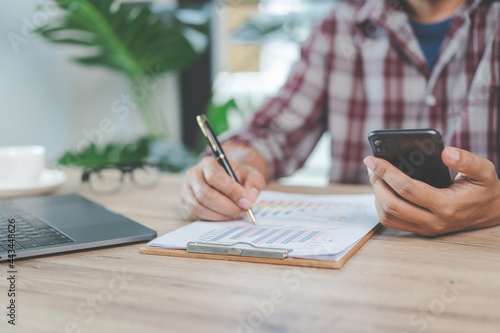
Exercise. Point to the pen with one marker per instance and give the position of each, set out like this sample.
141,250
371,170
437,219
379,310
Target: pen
218,152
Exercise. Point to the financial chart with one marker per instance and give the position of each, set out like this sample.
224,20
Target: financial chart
306,224
262,236
315,211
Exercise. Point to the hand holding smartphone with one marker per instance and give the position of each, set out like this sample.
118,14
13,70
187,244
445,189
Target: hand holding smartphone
417,153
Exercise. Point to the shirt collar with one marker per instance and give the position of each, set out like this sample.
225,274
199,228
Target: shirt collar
376,16
378,11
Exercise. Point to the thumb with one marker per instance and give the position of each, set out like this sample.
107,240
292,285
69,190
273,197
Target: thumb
470,165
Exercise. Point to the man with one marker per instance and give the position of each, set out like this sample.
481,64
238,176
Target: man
371,65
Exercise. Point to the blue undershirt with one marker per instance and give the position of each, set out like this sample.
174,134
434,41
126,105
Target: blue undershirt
430,36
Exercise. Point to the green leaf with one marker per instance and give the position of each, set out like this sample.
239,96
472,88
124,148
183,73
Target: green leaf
127,39
72,41
97,60
217,115
171,158
112,153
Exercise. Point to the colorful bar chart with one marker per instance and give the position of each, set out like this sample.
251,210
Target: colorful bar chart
320,212
265,236
307,225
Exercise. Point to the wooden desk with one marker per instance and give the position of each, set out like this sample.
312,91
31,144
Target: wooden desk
397,282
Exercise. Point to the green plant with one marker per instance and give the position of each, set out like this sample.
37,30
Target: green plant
138,151
217,114
132,40
112,153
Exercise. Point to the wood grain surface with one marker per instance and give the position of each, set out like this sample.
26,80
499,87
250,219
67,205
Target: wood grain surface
397,282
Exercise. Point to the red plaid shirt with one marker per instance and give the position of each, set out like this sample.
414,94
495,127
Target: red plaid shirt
362,69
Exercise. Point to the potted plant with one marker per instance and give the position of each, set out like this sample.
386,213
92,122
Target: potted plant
134,41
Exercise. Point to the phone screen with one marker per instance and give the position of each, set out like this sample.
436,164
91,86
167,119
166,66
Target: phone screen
417,153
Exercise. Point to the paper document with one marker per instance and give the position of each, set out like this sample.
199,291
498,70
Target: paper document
312,226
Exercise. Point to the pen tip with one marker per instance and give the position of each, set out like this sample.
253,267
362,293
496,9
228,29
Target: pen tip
250,214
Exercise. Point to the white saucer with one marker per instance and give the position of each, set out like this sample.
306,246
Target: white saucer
48,182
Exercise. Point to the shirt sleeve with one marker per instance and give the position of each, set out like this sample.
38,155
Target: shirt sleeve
286,128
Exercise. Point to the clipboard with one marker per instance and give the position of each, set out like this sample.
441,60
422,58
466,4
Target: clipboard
254,254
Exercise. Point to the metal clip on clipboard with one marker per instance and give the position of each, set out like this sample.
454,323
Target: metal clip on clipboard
238,249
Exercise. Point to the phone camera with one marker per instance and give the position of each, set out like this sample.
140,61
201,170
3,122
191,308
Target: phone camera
378,142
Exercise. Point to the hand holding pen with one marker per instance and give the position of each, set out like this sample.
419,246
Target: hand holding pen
209,193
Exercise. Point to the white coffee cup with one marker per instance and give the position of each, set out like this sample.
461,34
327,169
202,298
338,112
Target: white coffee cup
21,165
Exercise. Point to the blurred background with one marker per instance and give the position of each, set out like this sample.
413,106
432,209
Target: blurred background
129,81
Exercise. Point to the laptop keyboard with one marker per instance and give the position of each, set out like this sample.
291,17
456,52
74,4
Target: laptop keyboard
31,232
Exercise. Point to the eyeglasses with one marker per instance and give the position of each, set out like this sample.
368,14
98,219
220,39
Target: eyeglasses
108,179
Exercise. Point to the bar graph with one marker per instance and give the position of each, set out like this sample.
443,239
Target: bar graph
319,212
308,225
264,236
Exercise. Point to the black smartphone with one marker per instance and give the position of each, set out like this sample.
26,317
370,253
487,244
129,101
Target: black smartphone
417,153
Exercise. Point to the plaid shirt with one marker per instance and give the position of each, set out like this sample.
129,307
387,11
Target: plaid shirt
362,69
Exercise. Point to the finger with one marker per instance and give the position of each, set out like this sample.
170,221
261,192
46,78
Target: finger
472,166
415,191
194,210
254,183
393,222
217,177
209,197
239,171
252,180
398,207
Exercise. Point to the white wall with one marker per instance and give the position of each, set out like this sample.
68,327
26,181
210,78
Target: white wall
46,99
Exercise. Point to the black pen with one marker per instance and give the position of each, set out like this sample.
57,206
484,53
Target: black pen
218,152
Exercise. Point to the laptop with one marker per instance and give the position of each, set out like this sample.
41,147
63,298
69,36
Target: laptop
54,224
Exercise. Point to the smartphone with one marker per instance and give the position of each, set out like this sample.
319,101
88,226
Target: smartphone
417,153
